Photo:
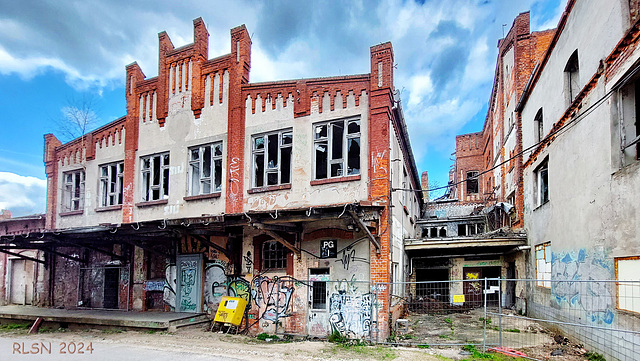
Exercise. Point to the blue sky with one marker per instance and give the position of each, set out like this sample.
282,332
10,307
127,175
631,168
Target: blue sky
54,54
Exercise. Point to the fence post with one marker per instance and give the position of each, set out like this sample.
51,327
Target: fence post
500,308
484,330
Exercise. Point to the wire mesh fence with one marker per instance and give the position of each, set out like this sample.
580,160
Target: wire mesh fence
534,319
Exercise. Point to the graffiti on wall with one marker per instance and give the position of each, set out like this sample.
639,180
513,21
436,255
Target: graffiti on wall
215,284
188,273
347,256
239,287
272,296
169,295
595,298
350,314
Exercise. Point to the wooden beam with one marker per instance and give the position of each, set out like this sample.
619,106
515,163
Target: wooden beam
372,239
64,242
22,256
284,242
209,243
147,248
278,227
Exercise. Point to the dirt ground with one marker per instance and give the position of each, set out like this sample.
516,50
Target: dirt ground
460,328
201,342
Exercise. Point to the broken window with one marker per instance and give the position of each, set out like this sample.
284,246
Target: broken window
274,255
472,182
541,179
442,232
539,126
462,230
319,278
543,265
155,177
272,158
111,176
337,148
628,124
73,197
205,169
572,77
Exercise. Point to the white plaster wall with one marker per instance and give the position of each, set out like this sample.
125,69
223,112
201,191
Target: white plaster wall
593,27
182,130
302,193
108,153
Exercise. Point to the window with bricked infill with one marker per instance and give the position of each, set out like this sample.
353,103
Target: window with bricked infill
336,148
205,169
543,264
155,177
73,194
472,182
111,177
272,158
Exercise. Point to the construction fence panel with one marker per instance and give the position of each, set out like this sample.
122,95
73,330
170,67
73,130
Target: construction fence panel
543,318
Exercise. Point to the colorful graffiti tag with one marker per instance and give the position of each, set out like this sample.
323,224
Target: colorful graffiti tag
351,314
595,298
272,296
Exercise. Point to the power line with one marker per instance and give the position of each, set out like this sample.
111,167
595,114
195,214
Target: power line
558,132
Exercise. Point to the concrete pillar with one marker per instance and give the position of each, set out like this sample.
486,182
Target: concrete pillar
139,279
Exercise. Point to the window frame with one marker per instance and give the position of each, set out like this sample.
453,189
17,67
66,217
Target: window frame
109,188
264,152
215,178
73,190
539,126
543,278
329,141
473,178
319,279
269,247
572,77
541,172
147,185
629,121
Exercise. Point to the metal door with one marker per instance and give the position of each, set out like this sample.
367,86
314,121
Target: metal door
189,283
473,286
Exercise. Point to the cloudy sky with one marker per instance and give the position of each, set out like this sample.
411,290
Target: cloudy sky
56,54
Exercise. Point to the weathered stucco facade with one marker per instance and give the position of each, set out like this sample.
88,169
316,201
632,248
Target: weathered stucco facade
295,195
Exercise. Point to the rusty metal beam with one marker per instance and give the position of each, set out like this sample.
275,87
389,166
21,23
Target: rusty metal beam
363,226
22,256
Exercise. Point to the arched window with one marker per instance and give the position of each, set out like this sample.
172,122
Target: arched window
539,126
572,77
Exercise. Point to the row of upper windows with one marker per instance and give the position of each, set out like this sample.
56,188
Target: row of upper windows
336,154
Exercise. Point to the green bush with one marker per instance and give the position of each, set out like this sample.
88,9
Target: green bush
337,337
594,356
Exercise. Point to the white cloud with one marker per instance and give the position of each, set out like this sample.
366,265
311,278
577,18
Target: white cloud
22,195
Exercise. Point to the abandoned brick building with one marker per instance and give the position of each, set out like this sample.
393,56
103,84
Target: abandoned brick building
277,192
475,230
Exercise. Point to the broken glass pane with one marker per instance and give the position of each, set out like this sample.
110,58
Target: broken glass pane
287,138
272,152
321,131
353,156
336,169
258,143
206,163
353,127
336,144
195,178
285,167
272,178
218,175
165,183
156,171
217,150
321,160
259,170
195,154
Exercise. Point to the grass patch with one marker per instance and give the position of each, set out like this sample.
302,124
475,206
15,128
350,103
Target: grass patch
112,330
594,356
265,336
424,346
445,336
512,330
14,326
448,320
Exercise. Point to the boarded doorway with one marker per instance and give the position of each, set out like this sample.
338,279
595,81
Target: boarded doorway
21,287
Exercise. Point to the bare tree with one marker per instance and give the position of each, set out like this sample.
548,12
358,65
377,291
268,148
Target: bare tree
78,117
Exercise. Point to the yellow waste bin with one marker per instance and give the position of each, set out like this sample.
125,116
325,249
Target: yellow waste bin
231,310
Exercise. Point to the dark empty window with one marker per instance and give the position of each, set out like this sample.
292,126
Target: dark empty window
462,230
337,148
572,77
539,126
442,232
542,182
272,158
472,182
274,255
